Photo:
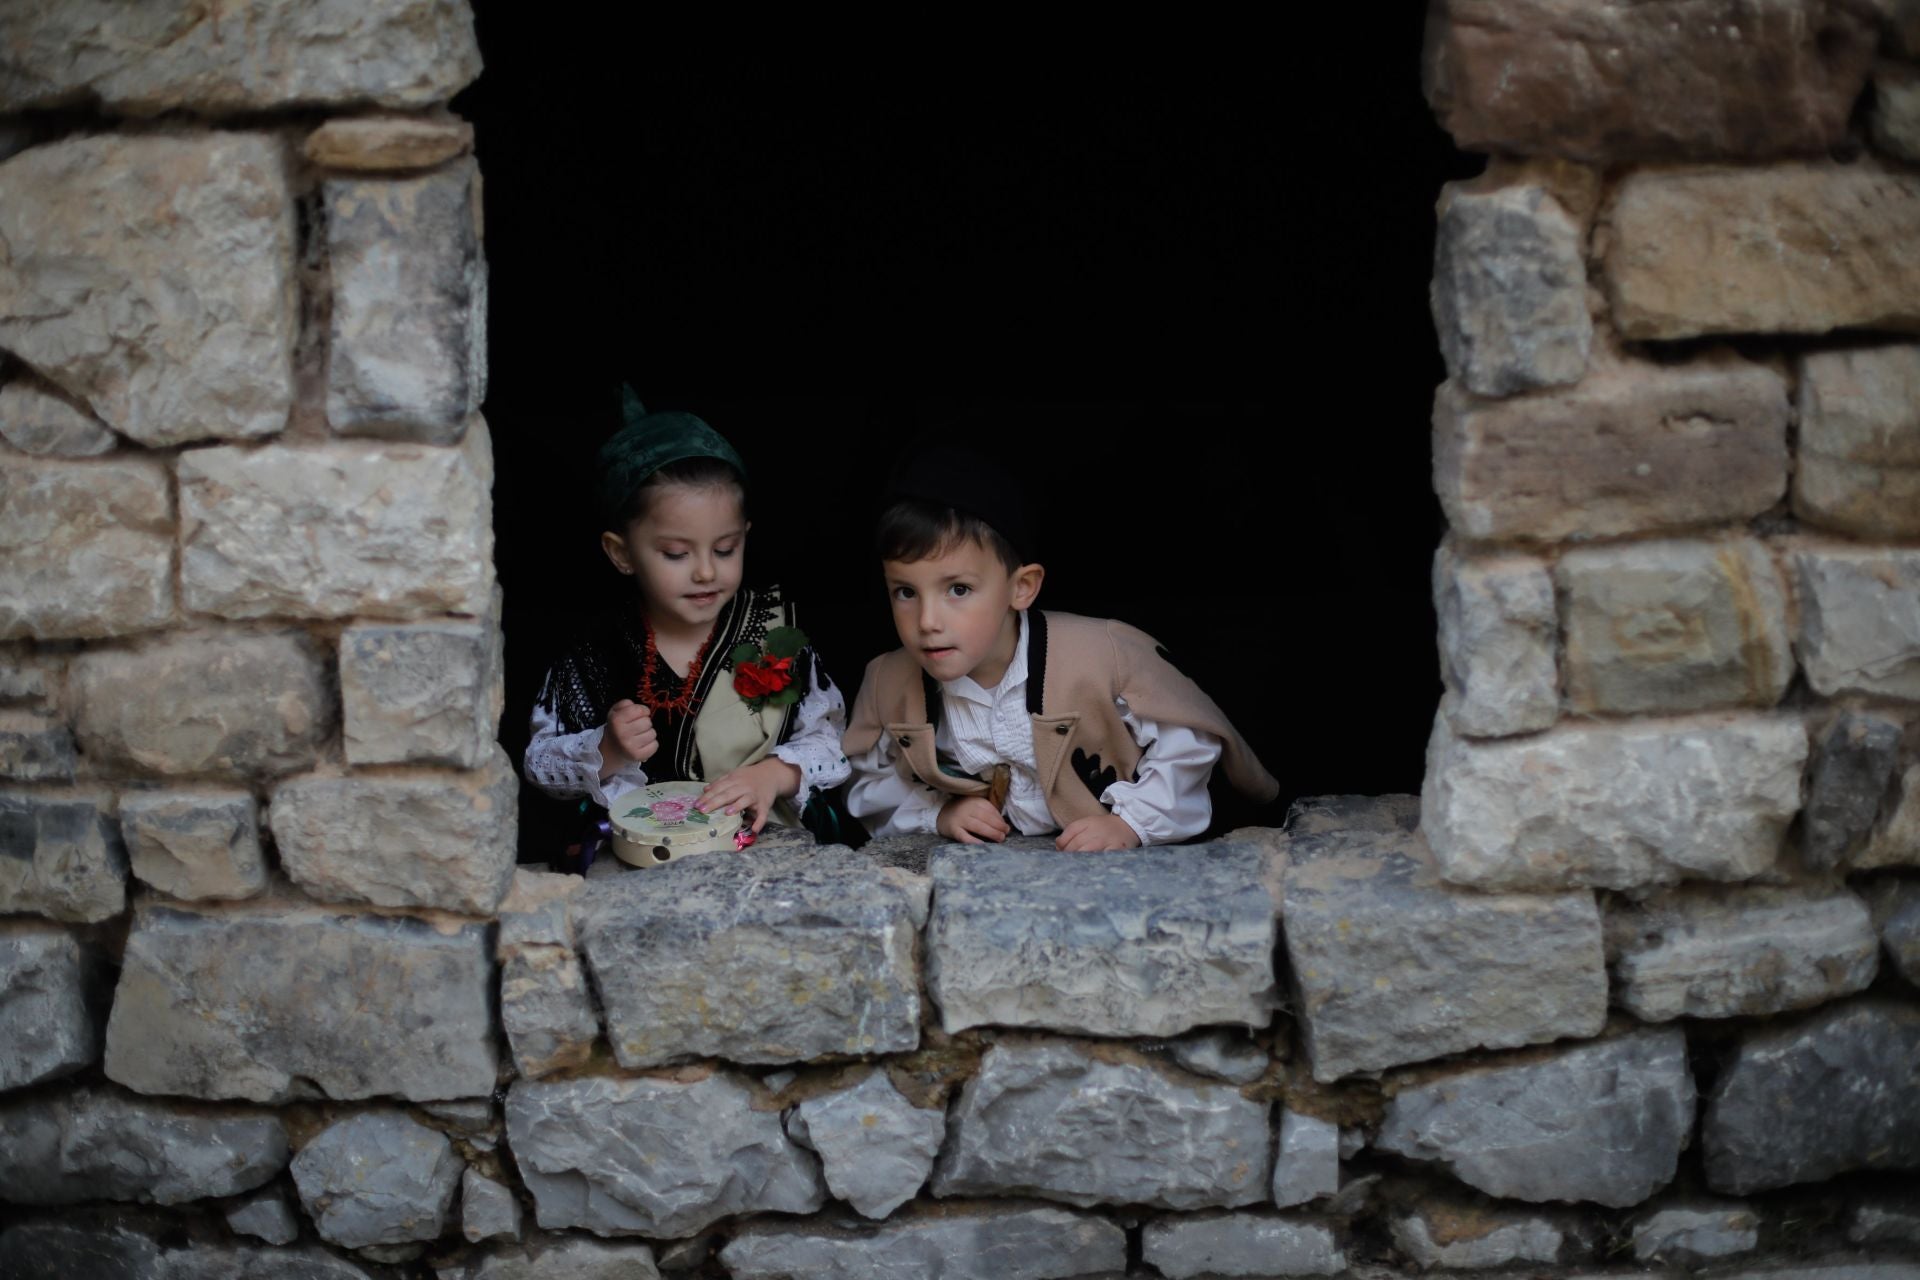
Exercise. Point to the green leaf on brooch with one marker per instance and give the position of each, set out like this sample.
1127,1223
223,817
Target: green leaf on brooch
699,817
641,811
743,653
786,642
785,698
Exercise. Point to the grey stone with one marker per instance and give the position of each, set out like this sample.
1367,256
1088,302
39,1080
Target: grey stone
374,530
1895,906
1391,965
983,1243
1835,1091
1671,625
274,1000
1617,806
1224,1055
31,678
387,144
420,693
265,1216
1860,621
377,1178
1498,632
204,702
1858,454
1895,840
654,1157
1896,114
35,747
561,1258
93,1144
545,1007
413,838
1853,761
1690,1234
409,53
755,958
685,1255
407,357
1842,1267
469,1115
1240,1244
1308,1165
61,856
37,420
195,844
52,1002
488,1210
1492,1238
1509,289
86,548
1725,952
1161,941
1038,1120
116,1245
875,1147
1884,1223
1620,1112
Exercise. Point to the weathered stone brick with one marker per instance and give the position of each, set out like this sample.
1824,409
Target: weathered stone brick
36,420
52,1002
488,1210
195,844
1895,906
1692,1234
1858,459
1498,633
61,856
1853,761
31,678
388,143
377,1179
418,693
1895,842
1860,620
875,1147
979,1242
1441,1235
86,548
128,1244
545,1007
1214,1246
35,747
1308,1166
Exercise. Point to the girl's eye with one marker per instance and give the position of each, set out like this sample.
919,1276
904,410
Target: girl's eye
674,555
724,551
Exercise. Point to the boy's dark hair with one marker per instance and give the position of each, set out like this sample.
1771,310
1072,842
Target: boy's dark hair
916,529
693,473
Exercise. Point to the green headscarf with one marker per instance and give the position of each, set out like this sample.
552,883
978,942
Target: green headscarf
648,442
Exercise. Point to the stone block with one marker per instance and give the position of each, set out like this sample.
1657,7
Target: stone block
30,678
412,838
1159,942
118,1245
86,548
379,531
986,1242
1224,1055
408,352
1441,1236
1895,842
52,1002
1038,1120
1692,79
418,693
561,1258
1621,1108
654,1157
1617,806
1670,626
35,747
1884,1222
875,1147
1858,458
1853,763
1634,448
1693,1234
1895,908
756,958
488,1210
1860,621
266,1215
545,1007
1210,1246
1799,1102
1790,248
271,1001
193,844
379,144
288,53
1498,634
1391,965
377,1178
1725,952
152,278
61,856
94,1144
1308,1165
37,420
1895,122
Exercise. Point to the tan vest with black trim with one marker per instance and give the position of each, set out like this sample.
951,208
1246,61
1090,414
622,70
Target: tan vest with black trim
1076,669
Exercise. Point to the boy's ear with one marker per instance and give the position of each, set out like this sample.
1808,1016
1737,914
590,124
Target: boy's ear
616,548
1026,584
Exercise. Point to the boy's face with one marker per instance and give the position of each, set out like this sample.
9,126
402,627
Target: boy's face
955,611
686,554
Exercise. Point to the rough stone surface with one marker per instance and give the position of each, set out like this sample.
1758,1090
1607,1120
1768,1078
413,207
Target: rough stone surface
1836,1091
99,1145
654,1157
204,702
1690,79
265,1216
1895,122
545,1007
409,53
561,1258
418,693
29,678
1390,965
1633,448
195,844
1691,1234
382,531
756,958
996,1243
151,278
488,1210
40,422
1509,290
1498,631
1797,248
875,1147
1038,1119
1161,941
35,747
1860,621
416,838
106,1246
1725,952
52,1002
274,1000
388,143
1884,1223
1668,625
1241,1244
1308,1165
86,548
1614,805
1895,906
1494,1238
1853,761
407,357
1858,457
377,1178
1622,1110
1840,1267
1224,1055
1895,842
61,856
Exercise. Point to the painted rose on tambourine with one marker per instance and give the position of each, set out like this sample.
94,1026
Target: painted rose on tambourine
670,811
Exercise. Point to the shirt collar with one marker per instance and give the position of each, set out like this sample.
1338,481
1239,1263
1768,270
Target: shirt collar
1012,682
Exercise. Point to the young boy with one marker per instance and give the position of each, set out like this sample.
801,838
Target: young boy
995,717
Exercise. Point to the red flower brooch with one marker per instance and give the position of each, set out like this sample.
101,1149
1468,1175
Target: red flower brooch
763,674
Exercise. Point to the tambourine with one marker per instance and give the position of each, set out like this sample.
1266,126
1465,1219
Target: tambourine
658,824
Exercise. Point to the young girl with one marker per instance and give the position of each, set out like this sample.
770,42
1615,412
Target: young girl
662,689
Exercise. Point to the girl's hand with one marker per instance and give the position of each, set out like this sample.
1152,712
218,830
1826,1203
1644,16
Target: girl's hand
1097,835
971,820
754,788
628,738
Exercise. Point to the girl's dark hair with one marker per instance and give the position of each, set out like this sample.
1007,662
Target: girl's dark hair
913,529
693,473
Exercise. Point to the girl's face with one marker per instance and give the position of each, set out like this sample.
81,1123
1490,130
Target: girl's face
686,554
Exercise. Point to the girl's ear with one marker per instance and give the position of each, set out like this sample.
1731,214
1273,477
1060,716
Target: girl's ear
1026,585
616,548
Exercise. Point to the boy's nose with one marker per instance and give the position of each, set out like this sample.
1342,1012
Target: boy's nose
929,617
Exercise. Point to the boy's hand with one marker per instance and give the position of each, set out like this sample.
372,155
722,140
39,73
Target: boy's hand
628,738
1097,835
971,820
753,787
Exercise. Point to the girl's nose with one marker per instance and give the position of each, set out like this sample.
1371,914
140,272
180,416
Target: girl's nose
702,568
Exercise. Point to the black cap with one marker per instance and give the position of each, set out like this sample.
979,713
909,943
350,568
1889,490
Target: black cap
972,482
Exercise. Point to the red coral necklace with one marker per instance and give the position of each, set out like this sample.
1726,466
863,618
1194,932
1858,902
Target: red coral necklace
678,704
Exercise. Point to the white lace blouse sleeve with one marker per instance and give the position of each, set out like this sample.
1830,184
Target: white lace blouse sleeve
886,802
568,765
814,748
1167,801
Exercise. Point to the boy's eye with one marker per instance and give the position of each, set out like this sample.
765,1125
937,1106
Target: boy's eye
959,589
903,593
